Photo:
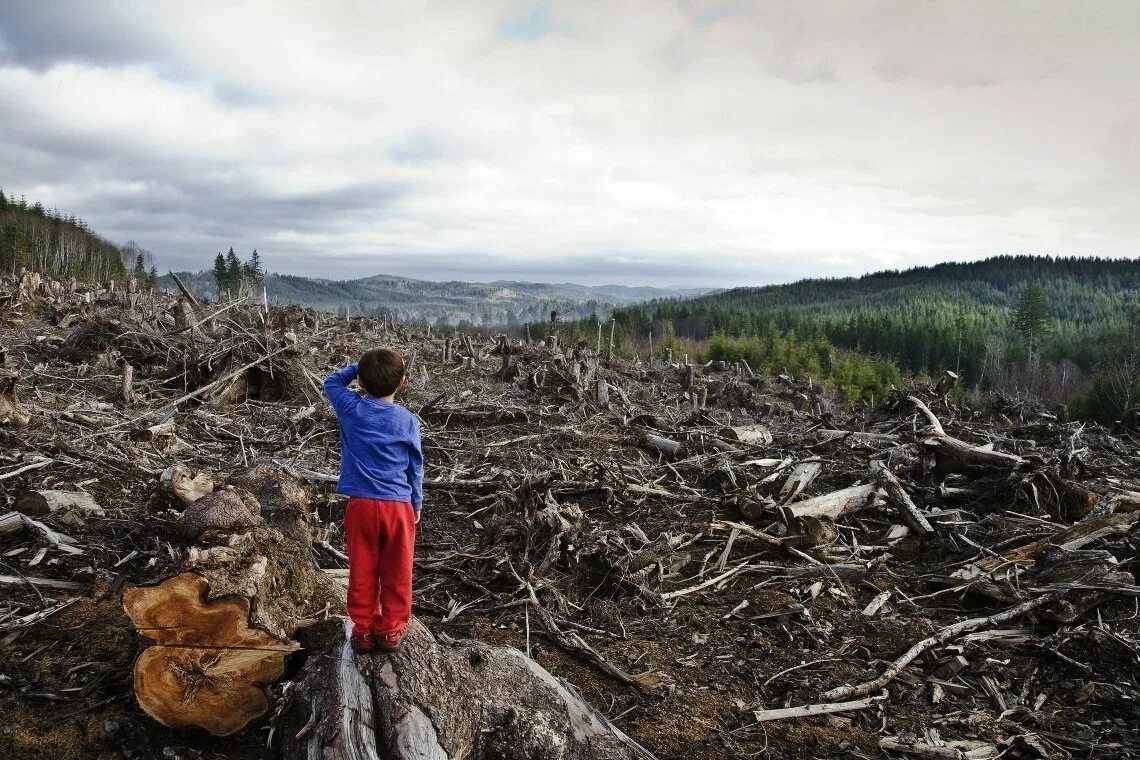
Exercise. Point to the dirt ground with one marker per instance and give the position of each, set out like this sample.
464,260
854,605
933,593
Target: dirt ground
498,447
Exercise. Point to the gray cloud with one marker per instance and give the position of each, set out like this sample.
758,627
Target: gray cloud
38,34
699,142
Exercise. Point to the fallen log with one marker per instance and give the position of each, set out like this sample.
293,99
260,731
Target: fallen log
901,499
40,503
666,447
835,504
954,455
940,637
1070,538
758,435
10,522
805,711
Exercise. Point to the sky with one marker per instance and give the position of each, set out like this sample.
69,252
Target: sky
649,142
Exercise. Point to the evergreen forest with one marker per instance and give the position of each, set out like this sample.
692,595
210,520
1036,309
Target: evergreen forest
57,245
1062,329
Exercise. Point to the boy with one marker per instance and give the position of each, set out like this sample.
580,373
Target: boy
381,471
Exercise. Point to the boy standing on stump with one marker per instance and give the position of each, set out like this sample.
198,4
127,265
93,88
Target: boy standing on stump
381,472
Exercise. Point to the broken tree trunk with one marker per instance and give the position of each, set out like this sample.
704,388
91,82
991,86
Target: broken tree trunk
11,411
954,455
40,503
440,699
1069,539
901,499
755,434
835,504
10,522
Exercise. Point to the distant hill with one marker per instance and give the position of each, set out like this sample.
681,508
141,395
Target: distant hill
949,316
451,302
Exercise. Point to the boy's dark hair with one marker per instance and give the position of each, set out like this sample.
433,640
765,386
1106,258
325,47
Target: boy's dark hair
380,371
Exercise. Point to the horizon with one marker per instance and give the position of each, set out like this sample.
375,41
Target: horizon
703,290
690,144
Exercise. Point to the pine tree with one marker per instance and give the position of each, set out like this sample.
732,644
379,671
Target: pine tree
254,268
220,274
152,279
3,201
233,273
1031,316
139,272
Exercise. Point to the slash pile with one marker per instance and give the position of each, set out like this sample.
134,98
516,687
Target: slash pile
721,564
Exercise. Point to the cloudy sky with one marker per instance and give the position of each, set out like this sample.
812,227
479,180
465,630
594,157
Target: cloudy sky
675,142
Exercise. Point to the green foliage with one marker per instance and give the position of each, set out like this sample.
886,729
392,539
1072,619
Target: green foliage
927,319
46,241
232,277
1031,316
856,377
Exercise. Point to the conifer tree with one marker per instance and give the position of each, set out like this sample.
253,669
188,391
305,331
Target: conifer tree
221,281
233,272
252,270
1031,316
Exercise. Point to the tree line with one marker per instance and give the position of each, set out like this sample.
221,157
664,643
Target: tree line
1062,329
234,277
57,245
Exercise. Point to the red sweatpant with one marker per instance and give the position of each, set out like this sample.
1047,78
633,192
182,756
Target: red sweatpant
381,538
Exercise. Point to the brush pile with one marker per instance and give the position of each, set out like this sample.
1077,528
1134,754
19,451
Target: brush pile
616,559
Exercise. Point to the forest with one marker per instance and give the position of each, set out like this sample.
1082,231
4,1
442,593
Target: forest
57,245
1080,345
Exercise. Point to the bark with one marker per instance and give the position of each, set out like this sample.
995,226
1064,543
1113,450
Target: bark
40,503
755,434
222,627
664,446
440,699
835,504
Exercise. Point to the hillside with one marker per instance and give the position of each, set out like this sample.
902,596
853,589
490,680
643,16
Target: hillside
58,245
949,316
450,302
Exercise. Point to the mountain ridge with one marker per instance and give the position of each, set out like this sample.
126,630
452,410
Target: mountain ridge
446,301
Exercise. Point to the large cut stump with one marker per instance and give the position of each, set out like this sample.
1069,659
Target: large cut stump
207,665
223,627
441,700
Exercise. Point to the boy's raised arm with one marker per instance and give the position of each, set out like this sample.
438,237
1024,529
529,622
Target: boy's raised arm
416,468
336,388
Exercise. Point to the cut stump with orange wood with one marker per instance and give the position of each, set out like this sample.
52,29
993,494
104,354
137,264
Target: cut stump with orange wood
207,665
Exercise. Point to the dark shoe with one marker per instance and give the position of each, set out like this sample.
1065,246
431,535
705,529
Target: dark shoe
362,643
389,642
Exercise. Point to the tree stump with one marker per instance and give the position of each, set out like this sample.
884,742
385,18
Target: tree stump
207,665
441,699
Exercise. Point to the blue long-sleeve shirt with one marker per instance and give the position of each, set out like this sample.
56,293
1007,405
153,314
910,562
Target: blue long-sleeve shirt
380,456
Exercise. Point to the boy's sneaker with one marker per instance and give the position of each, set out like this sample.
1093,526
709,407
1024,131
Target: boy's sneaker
389,642
362,643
